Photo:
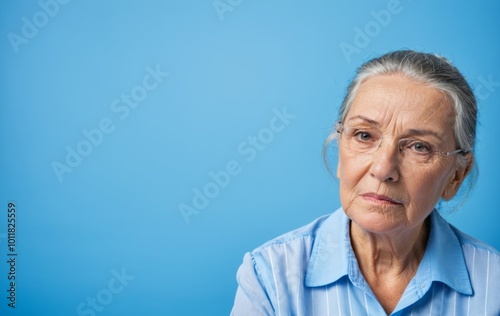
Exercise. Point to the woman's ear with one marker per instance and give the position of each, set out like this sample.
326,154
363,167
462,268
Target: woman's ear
458,177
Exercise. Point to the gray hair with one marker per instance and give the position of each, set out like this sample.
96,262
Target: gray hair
430,69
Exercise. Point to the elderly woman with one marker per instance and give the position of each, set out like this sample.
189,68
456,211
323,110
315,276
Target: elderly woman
405,134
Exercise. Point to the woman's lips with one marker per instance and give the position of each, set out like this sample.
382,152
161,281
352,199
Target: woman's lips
379,199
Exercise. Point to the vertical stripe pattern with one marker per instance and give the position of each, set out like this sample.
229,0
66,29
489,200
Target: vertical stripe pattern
289,276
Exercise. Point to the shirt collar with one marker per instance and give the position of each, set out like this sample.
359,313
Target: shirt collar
331,248
444,260
332,255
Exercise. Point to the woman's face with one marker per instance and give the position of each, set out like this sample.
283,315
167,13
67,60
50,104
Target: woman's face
386,190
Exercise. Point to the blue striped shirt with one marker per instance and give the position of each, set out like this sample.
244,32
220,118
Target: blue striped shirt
313,271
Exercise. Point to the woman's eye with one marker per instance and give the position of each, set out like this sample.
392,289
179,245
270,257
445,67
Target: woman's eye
421,147
363,136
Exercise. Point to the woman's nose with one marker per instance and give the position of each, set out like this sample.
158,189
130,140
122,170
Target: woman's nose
385,164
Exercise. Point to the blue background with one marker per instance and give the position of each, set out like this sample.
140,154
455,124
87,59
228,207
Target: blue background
119,207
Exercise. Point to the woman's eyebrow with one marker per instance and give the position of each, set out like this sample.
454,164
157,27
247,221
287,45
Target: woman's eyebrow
413,131
425,132
364,118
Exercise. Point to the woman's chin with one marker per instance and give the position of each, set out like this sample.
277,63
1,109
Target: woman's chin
379,219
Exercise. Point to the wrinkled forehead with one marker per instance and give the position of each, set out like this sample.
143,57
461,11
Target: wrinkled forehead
396,101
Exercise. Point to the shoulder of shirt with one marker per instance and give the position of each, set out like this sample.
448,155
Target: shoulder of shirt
310,230
465,239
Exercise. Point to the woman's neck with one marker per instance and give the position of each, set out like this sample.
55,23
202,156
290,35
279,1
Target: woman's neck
389,261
